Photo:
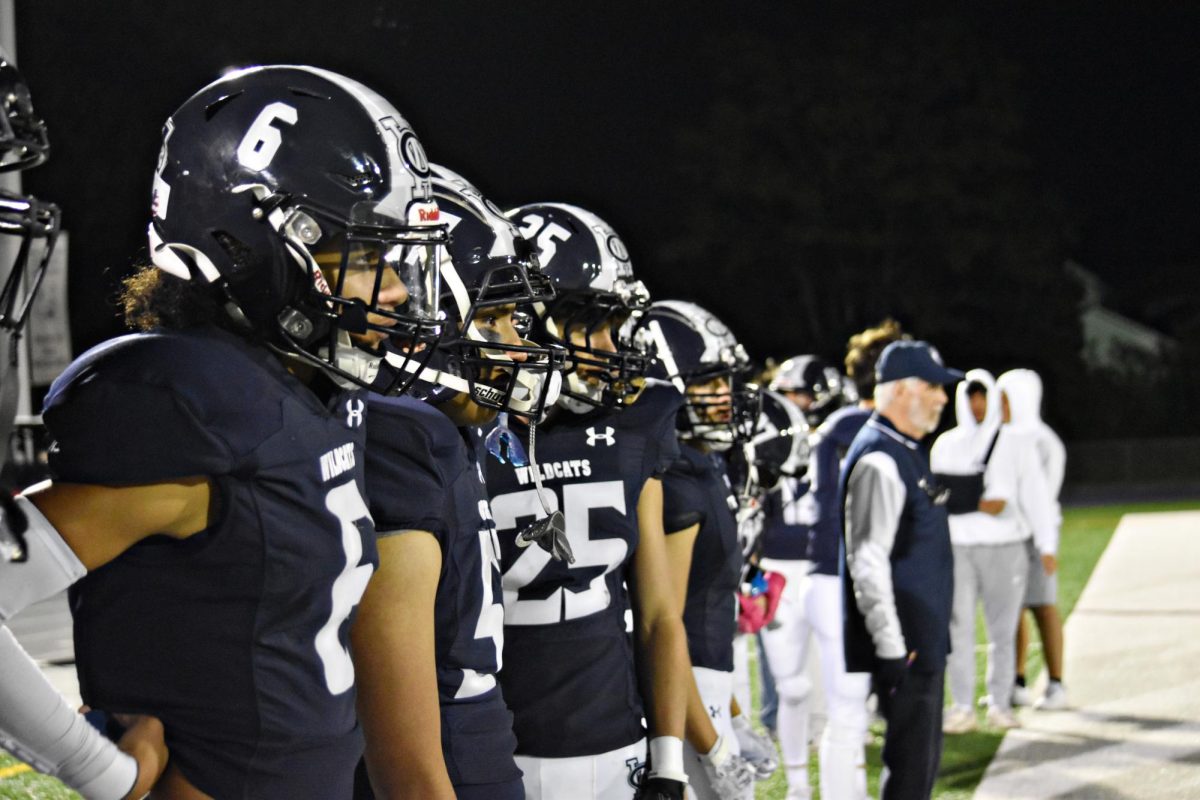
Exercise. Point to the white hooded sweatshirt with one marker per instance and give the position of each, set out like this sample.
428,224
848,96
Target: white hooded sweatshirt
1013,475
1024,390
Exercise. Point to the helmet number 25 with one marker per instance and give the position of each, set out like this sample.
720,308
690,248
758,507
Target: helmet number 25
260,143
545,236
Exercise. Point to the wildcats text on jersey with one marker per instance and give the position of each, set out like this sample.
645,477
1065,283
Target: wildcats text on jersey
336,461
549,470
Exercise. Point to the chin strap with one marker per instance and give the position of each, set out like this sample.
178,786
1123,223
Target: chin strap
524,397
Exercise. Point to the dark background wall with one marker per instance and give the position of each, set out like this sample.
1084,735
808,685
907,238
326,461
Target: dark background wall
801,172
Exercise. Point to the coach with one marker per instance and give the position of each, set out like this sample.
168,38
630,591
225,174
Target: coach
897,566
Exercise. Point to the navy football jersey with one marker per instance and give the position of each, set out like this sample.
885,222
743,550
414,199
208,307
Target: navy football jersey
788,512
237,637
568,662
697,489
829,448
422,475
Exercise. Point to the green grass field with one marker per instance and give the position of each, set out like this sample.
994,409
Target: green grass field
1085,534
19,781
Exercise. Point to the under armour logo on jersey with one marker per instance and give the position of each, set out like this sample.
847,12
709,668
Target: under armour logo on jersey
608,437
714,711
354,412
637,771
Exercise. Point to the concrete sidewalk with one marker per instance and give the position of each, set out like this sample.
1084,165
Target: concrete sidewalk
1132,667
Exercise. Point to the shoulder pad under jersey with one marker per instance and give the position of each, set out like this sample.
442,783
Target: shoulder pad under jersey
411,448
150,407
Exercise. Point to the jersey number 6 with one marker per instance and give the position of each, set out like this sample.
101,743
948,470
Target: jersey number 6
345,503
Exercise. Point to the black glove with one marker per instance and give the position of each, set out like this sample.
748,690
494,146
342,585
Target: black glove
889,674
660,789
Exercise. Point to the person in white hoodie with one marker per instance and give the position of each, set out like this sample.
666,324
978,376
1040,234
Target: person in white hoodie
990,550
1022,391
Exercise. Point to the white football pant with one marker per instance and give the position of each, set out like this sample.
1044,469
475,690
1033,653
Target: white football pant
741,672
607,776
811,607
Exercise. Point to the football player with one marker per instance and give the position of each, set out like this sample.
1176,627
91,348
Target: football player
208,464
802,539
791,549
35,721
572,676
777,450
430,632
699,356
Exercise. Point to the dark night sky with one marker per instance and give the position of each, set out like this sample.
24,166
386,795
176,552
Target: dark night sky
549,101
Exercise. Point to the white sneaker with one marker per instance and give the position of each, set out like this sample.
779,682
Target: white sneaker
1020,696
1055,698
1001,719
959,719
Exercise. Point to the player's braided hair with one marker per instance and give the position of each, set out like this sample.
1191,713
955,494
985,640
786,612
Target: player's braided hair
863,351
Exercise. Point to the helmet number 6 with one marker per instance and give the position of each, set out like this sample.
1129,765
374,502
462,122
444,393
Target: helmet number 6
263,139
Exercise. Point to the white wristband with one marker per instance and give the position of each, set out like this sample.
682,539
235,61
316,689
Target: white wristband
719,752
666,758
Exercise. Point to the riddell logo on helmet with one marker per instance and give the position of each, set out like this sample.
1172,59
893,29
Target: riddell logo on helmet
429,215
320,282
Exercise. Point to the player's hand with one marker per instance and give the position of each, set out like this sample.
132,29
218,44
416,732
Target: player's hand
729,775
656,788
144,740
757,748
890,673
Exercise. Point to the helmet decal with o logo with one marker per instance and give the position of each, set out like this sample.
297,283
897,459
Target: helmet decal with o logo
414,153
617,248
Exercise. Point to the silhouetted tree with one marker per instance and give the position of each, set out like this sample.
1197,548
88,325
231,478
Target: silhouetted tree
874,169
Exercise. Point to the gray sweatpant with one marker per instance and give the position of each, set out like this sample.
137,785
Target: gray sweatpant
995,574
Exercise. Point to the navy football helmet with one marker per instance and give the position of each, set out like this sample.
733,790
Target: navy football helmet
595,291
487,264
694,349
779,446
283,186
822,386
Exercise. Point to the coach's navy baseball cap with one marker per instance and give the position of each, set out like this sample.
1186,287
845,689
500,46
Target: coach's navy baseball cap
911,359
